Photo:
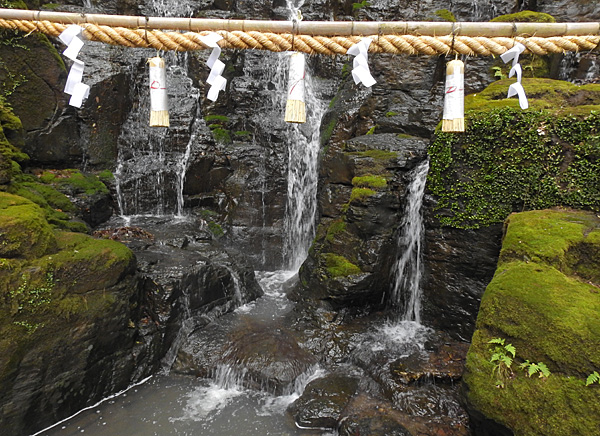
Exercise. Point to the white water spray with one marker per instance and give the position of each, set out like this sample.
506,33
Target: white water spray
407,271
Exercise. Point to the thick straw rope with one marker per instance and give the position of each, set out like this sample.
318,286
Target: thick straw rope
328,45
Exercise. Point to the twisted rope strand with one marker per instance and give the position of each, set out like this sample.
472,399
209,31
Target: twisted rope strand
327,45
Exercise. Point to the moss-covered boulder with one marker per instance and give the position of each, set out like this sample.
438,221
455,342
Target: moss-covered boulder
511,160
544,300
24,231
69,307
557,97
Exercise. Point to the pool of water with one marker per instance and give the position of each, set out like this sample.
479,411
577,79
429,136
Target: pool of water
177,405
181,405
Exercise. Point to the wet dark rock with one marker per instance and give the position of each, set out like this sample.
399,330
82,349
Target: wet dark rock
459,264
367,416
321,404
444,364
188,278
271,358
569,11
359,230
375,416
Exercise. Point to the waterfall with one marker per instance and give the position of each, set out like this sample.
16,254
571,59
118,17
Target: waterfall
301,207
407,270
302,180
152,161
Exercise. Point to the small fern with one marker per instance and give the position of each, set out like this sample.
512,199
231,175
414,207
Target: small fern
502,356
593,378
539,368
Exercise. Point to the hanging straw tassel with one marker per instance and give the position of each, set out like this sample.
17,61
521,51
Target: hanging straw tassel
454,101
295,109
159,113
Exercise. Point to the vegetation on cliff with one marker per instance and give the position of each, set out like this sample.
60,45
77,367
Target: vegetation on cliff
544,300
512,160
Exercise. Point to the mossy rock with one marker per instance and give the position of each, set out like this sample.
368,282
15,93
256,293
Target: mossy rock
84,263
75,181
11,136
512,160
525,17
556,96
369,181
538,302
339,266
335,229
24,231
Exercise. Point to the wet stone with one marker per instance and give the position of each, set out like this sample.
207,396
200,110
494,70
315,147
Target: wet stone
271,359
323,402
443,364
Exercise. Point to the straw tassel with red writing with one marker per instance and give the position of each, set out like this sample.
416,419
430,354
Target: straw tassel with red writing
159,107
454,99
295,109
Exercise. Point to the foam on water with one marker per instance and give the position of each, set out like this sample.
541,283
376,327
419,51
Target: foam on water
403,336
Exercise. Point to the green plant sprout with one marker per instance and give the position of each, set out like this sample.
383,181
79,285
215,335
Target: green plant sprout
593,378
501,357
539,368
359,5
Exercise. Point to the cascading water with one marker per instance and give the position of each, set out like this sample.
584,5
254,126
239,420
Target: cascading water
406,290
303,152
152,161
302,180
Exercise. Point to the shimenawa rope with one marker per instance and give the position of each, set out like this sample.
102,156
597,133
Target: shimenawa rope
313,44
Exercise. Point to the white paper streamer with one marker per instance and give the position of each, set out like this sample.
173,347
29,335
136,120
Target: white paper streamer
80,93
74,86
75,76
513,53
215,79
516,70
73,49
360,71
158,89
297,74
69,33
516,88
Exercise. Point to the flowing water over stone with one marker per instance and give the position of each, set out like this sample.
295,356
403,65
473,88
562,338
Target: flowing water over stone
152,161
406,290
171,404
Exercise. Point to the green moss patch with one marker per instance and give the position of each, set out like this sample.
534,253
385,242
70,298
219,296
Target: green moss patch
370,181
339,266
358,195
557,96
549,315
445,15
525,17
75,181
512,160
336,228
24,231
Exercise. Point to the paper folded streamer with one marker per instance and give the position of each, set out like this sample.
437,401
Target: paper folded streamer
295,109
159,104
454,98
360,65
74,86
516,88
215,79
